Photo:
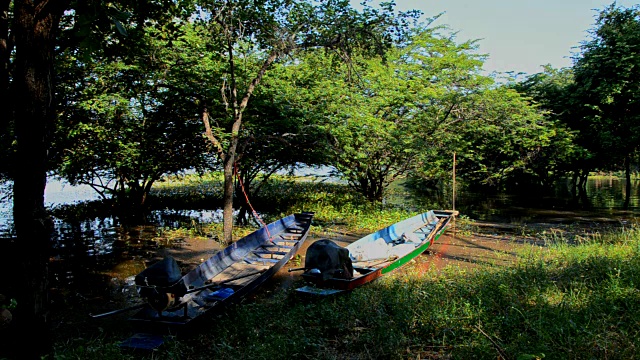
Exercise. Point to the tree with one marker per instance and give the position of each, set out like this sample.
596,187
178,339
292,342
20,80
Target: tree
552,91
271,30
496,133
28,38
280,134
606,91
500,136
34,28
6,121
128,118
387,115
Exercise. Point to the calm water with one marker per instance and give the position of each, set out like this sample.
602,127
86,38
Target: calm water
605,198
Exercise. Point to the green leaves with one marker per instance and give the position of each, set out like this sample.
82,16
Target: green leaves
606,88
126,119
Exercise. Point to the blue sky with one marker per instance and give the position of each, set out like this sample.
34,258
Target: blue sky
518,35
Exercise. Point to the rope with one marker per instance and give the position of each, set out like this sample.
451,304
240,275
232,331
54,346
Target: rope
255,213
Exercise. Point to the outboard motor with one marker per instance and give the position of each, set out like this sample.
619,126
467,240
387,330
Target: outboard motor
326,259
161,284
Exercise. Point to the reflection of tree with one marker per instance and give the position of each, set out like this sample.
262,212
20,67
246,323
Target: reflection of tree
606,96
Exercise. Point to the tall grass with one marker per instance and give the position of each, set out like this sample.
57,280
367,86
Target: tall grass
575,298
573,302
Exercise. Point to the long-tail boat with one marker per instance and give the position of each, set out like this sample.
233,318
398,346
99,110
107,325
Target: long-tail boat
330,268
172,302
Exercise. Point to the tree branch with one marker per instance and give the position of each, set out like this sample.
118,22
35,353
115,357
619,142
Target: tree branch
209,134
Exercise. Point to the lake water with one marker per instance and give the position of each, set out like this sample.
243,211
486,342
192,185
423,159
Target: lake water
604,198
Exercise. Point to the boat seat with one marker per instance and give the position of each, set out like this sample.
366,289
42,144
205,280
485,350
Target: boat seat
290,234
253,260
267,252
425,230
285,240
267,247
411,238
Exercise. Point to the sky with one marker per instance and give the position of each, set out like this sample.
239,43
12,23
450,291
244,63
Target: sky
518,35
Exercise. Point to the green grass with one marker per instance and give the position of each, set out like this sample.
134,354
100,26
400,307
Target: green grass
571,302
575,298
334,205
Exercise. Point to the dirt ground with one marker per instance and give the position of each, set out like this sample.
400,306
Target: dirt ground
488,244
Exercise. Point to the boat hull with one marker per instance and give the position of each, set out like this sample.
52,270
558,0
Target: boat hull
426,227
228,276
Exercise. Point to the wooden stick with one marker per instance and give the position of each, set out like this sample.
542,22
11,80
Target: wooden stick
116,312
224,281
495,344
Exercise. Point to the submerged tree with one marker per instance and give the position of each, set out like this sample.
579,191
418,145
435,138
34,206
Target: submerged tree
606,94
552,90
128,117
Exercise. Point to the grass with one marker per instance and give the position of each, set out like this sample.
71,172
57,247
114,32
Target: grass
576,298
573,302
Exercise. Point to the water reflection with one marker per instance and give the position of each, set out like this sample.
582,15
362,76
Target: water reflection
604,197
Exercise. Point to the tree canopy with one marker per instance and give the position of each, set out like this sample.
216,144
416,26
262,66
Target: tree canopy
597,99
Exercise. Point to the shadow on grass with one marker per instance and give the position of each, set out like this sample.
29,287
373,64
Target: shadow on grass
575,309
566,305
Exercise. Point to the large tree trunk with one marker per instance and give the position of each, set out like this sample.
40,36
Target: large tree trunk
5,51
35,27
6,46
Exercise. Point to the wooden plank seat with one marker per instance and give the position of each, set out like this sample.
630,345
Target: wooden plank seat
289,234
284,242
424,230
254,260
267,252
277,247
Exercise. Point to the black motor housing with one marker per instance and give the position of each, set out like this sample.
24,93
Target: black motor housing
161,284
330,259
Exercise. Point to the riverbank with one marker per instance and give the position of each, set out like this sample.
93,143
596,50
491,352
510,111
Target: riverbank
481,284
481,292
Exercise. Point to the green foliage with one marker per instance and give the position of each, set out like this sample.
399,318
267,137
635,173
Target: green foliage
606,93
406,113
551,91
500,135
384,113
122,128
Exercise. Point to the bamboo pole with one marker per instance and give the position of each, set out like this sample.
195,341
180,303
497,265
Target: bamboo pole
454,181
454,194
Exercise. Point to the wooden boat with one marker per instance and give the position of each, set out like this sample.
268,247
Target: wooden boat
173,300
331,269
